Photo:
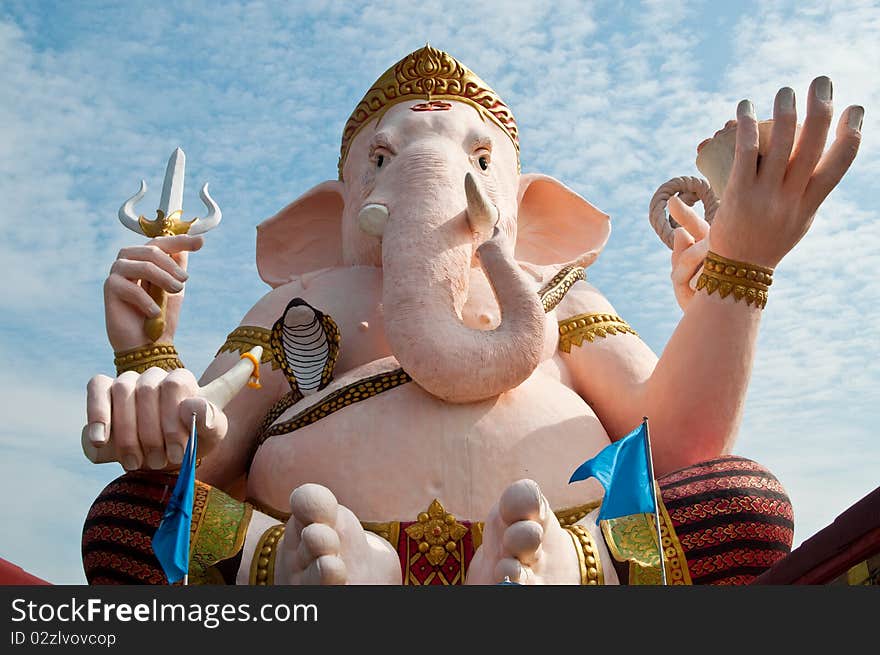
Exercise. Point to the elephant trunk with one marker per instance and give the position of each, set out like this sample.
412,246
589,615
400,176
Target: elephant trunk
426,259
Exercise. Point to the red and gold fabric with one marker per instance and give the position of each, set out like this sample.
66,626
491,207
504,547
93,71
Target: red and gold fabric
724,521
118,532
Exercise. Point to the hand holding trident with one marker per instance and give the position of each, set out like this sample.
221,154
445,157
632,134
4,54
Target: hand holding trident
169,222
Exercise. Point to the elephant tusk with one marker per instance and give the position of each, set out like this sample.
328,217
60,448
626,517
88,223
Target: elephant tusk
126,213
209,222
482,214
225,388
372,219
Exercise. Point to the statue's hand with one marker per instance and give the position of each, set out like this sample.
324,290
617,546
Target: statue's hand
689,249
768,206
144,420
161,262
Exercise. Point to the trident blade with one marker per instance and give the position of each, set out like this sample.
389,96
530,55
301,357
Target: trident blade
172,188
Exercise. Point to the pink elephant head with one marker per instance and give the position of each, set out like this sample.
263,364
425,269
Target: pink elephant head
428,173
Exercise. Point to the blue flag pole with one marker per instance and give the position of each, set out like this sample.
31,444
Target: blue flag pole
171,540
656,504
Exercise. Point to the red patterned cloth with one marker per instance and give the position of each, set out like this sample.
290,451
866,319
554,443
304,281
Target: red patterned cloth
732,518
118,532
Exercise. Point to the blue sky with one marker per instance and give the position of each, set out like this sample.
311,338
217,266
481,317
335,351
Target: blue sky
610,97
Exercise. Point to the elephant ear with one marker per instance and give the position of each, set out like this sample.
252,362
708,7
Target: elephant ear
304,236
556,226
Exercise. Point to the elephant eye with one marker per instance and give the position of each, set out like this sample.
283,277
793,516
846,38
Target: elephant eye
380,159
484,162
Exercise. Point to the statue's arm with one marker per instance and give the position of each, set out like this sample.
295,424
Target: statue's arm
228,463
693,395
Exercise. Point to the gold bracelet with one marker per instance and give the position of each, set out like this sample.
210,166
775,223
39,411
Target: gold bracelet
263,563
588,558
727,276
161,355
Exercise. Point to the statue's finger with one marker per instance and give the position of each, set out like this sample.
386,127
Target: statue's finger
178,243
177,386
211,423
745,160
98,408
123,424
131,294
813,135
775,162
96,455
149,423
154,254
688,218
689,263
681,241
145,270
836,162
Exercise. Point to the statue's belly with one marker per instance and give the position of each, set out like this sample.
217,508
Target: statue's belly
387,457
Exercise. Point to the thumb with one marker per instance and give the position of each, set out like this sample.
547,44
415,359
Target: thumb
681,241
211,422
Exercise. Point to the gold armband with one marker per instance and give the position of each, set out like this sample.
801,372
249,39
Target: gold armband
263,563
588,557
245,337
160,355
573,331
743,280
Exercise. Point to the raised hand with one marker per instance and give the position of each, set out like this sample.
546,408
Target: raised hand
143,421
769,203
161,262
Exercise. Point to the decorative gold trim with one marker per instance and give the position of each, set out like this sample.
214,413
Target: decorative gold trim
263,562
347,395
573,331
745,281
388,530
245,337
160,355
217,531
165,226
437,532
554,291
633,539
567,517
588,556
427,74
677,571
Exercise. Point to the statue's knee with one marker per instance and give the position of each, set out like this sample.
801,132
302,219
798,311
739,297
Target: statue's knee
118,531
731,516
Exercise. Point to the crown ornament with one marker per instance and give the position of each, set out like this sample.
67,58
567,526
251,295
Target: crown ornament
431,75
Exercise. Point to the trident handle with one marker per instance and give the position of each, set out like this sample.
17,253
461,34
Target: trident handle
155,326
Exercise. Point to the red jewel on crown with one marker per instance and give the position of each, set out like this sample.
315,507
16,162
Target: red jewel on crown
433,105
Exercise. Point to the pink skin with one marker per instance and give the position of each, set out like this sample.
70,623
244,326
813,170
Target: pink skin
427,251
452,295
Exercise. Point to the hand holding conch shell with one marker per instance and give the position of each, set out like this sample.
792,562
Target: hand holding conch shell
143,421
769,202
776,183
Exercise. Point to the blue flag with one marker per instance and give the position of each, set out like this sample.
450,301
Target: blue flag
171,541
623,469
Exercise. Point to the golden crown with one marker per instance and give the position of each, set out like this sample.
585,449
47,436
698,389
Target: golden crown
427,74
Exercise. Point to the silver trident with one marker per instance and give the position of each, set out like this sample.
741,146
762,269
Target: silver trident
168,222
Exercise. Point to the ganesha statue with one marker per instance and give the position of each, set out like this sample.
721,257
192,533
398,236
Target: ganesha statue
435,363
